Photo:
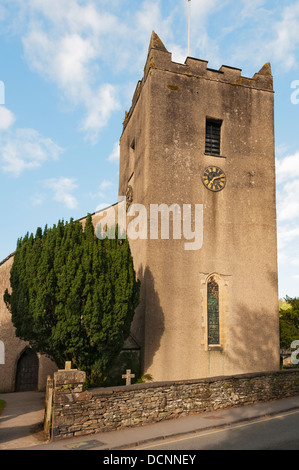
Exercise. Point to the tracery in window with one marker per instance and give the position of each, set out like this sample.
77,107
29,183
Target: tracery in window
213,312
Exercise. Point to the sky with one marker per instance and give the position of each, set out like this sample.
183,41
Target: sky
68,71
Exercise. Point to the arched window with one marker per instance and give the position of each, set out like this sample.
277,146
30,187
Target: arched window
213,312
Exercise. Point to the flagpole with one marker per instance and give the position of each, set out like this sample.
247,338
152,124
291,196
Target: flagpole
189,3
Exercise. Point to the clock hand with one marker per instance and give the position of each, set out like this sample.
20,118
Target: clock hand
217,177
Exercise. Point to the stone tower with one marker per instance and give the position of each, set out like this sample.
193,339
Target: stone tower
204,138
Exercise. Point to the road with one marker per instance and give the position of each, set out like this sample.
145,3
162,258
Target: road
278,432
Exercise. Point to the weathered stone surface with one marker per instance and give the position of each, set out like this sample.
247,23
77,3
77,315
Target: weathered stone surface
167,122
127,406
69,377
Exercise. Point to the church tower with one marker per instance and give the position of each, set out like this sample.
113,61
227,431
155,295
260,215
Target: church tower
202,139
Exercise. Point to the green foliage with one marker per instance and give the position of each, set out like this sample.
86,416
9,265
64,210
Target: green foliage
73,296
289,321
145,378
125,360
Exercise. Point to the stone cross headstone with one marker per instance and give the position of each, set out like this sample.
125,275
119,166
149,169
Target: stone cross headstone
128,376
67,367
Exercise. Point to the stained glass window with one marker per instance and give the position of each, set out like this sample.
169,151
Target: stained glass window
213,312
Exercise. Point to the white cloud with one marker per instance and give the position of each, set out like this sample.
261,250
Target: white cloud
287,235
25,149
105,184
202,44
287,176
243,27
7,118
99,104
250,8
283,257
150,17
77,17
63,189
286,40
288,201
69,62
287,168
178,53
280,151
71,59
288,220
114,155
76,45
63,43
295,259
60,59
102,192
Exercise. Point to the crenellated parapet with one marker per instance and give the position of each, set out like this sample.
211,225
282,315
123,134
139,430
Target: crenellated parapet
159,58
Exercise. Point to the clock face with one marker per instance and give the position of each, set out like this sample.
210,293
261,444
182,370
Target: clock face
214,178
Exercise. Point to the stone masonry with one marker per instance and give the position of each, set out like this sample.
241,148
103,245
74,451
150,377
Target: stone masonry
77,412
162,159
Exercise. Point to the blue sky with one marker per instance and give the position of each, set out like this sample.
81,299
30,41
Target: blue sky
69,69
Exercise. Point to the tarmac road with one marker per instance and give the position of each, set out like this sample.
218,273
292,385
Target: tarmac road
275,432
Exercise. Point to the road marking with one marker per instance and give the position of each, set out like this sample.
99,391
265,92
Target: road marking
202,434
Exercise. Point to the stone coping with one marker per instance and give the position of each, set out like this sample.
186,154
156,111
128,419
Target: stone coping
148,385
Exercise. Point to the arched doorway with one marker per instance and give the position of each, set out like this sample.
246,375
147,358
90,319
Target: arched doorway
27,372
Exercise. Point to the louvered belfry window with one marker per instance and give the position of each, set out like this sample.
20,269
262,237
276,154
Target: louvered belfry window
213,129
213,312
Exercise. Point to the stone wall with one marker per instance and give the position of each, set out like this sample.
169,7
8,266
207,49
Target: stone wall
14,346
77,412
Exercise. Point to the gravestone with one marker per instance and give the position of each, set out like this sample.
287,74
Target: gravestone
128,376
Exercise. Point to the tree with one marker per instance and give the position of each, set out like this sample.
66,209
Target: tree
73,296
289,322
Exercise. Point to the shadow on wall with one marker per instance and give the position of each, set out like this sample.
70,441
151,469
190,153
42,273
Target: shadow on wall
273,279
148,325
254,341
139,359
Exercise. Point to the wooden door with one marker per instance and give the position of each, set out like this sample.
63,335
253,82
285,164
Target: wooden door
27,372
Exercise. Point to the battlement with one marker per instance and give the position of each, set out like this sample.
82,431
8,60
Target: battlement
159,58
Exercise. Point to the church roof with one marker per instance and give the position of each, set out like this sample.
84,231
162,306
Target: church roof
7,258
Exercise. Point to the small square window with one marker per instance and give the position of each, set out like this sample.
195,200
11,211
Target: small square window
213,128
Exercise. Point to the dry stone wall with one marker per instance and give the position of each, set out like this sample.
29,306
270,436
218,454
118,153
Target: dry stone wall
78,412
